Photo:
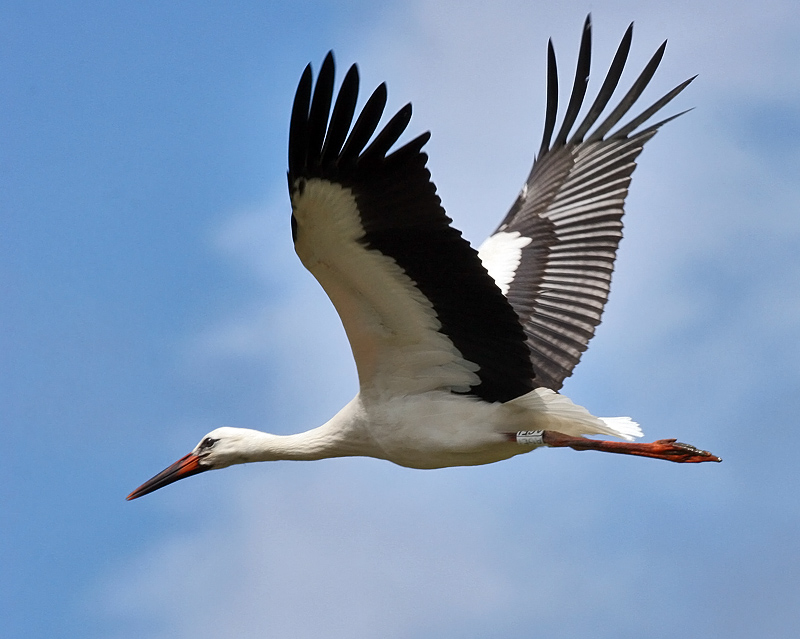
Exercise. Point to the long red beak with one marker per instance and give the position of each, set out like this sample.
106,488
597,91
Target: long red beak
185,467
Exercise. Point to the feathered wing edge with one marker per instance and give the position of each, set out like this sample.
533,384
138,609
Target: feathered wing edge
554,252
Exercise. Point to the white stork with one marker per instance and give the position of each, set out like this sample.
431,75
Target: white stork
460,353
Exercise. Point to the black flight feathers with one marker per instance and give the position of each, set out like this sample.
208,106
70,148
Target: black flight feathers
604,95
319,148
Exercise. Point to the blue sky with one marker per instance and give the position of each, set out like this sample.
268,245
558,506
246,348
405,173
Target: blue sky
150,293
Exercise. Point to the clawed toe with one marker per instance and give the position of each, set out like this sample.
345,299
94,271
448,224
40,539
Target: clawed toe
684,453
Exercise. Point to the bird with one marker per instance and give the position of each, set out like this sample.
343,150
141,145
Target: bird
460,353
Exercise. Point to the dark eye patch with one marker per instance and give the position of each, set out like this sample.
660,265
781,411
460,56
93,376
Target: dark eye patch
207,443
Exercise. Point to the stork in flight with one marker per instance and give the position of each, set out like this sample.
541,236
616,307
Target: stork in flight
460,353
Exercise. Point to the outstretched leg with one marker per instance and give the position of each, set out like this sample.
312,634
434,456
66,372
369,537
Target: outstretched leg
667,449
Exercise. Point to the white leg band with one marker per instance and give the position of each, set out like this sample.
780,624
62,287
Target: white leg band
530,437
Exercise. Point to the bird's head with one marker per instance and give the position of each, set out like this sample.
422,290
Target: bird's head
220,448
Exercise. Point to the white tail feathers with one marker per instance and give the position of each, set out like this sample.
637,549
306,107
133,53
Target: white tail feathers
557,412
623,427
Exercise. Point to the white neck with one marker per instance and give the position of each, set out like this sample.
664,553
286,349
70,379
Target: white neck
318,443
342,436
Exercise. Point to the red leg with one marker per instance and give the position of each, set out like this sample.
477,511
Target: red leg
667,449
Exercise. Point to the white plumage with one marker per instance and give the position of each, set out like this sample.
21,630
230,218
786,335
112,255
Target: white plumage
460,353
501,255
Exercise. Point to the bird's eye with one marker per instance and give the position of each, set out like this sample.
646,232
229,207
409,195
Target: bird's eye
208,442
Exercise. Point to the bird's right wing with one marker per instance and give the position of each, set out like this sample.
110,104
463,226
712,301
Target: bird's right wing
554,252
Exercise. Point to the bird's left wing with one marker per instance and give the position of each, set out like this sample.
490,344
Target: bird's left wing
418,307
555,250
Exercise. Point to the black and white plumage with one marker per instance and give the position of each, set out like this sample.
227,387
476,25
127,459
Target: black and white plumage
459,352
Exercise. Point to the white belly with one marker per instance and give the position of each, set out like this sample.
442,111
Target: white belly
442,429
